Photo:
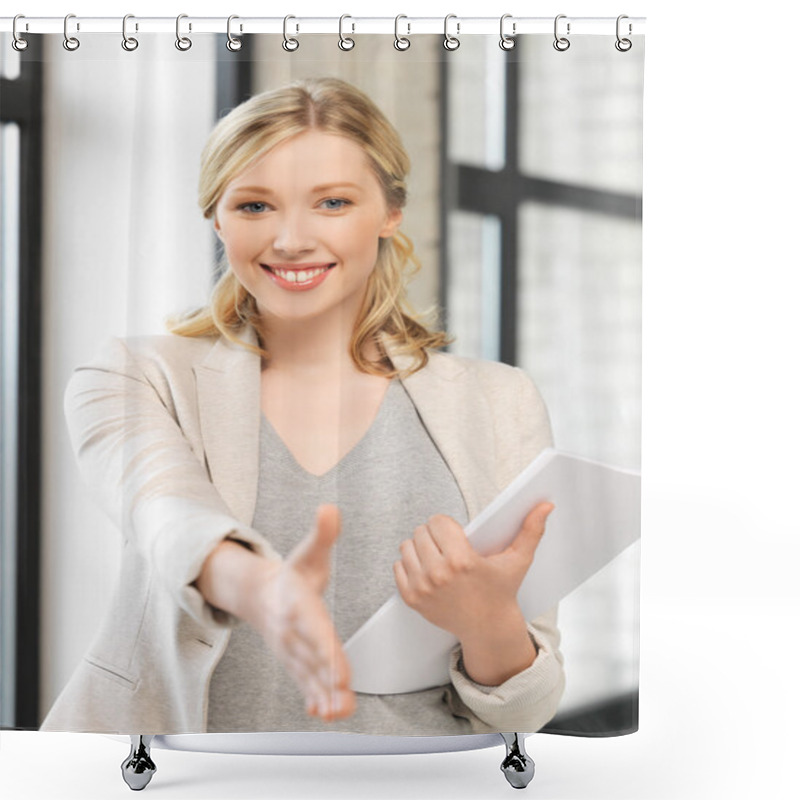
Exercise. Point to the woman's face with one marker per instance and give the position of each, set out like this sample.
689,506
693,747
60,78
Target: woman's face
301,227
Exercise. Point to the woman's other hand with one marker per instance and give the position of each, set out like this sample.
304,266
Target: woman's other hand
441,576
282,601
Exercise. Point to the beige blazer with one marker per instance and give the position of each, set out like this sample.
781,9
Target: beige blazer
165,430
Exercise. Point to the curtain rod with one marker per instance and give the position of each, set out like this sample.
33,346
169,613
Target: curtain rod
406,25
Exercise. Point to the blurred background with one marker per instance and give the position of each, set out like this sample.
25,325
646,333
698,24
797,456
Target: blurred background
525,209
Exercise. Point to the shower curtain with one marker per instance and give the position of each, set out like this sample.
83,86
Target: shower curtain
524,209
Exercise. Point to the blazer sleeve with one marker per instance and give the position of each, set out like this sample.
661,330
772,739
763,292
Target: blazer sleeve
528,700
525,702
138,463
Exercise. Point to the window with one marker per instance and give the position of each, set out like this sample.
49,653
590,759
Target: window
542,210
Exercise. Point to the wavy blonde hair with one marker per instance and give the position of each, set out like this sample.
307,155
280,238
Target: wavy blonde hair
259,124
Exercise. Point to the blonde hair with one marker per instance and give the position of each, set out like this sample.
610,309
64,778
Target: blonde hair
259,124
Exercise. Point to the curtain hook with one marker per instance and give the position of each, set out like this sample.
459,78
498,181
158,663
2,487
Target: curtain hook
345,42
182,42
507,42
18,43
561,43
451,42
401,42
233,44
71,43
128,42
623,45
290,44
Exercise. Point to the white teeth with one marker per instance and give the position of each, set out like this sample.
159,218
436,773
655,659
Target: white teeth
298,276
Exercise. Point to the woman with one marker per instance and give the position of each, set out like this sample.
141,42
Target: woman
297,451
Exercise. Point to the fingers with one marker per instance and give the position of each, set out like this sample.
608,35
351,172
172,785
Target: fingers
450,540
422,561
313,655
311,558
402,581
530,534
296,625
441,539
329,525
339,706
326,689
425,548
329,685
438,552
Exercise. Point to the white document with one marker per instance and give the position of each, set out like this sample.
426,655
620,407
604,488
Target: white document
596,516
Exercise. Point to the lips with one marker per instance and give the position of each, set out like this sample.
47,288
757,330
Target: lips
298,277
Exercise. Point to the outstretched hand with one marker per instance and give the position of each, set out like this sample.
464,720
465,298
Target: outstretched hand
441,575
293,619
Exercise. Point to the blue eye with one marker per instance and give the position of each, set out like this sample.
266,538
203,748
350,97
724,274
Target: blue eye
254,208
334,203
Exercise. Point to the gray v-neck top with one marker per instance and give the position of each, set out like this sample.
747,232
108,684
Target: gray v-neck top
393,480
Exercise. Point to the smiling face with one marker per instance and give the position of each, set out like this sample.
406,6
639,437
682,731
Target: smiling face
301,228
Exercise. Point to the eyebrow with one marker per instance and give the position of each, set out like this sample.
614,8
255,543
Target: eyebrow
325,187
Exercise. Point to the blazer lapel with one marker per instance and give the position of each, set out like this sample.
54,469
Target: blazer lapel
458,418
448,398
228,397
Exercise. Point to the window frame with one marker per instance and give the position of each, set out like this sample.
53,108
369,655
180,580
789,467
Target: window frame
21,102
501,193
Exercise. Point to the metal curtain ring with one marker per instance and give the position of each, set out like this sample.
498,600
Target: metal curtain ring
233,44
623,45
18,43
289,43
401,42
71,43
182,42
561,43
507,42
128,42
345,42
451,42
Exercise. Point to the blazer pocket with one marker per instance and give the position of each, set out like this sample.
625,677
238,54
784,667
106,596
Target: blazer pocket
113,673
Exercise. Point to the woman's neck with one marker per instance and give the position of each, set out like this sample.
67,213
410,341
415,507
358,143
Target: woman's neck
311,351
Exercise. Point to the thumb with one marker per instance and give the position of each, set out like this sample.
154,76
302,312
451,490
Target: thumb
311,557
530,534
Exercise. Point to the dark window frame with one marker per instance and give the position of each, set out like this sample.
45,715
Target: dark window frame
21,102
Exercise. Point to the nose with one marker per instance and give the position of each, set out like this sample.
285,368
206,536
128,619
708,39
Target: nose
294,234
